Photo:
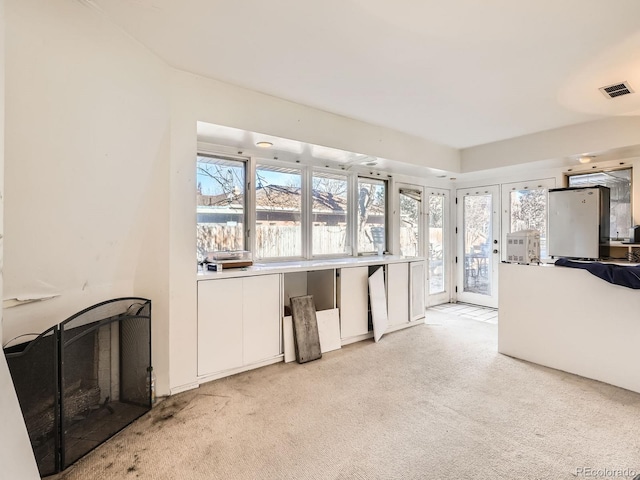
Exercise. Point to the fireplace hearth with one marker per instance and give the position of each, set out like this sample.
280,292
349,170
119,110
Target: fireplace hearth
82,381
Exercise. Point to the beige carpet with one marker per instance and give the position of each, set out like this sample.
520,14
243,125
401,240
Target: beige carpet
432,401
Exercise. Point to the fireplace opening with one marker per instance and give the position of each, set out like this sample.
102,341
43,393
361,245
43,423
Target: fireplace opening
84,380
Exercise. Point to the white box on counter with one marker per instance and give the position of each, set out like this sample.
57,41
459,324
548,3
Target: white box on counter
523,246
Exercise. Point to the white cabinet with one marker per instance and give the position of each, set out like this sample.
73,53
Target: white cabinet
219,325
353,301
398,293
238,322
240,318
261,318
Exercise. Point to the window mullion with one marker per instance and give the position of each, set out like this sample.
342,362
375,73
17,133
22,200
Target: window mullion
251,205
353,213
307,203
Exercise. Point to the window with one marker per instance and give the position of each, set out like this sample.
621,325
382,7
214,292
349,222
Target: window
278,212
329,232
372,202
619,183
410,210
220,207
526,209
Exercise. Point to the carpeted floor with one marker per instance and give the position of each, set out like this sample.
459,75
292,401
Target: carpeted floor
430,402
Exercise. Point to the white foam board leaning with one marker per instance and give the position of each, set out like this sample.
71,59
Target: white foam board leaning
378,300
328,330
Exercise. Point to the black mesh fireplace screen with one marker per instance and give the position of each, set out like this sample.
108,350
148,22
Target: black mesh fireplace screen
34,370
84,380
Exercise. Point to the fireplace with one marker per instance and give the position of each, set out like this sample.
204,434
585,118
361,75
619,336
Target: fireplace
82,381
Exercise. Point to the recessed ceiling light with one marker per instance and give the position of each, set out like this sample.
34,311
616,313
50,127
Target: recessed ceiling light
264,144
585,159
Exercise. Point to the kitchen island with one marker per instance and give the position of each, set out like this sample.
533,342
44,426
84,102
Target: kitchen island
571,320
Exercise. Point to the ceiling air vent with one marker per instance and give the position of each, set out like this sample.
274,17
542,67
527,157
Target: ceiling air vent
616,90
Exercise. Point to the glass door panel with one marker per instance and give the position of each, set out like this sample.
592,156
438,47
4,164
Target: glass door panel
525,208
436,244
437,248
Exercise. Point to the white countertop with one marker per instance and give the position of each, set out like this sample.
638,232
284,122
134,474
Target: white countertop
304,266
552,263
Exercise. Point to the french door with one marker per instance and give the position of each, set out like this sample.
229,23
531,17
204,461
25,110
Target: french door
478,245
437,246
424,230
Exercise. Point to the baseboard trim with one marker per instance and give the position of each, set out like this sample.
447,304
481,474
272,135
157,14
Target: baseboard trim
402,326
357,338
234,371
183,388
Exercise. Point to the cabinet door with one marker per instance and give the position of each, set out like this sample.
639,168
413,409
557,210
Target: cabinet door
417,299
354,301
398,293
219,325
261,318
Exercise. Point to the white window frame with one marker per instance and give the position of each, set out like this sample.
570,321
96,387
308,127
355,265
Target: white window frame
602,170
349,217
505,193
204,152
304,210
388,185
421,216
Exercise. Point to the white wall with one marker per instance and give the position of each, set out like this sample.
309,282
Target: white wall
597,136
86,169
16,456
500,176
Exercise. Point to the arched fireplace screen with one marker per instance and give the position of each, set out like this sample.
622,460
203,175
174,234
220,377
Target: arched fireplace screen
84,380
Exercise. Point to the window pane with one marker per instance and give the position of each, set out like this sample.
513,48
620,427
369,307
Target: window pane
619,183
329,214
371,215
220,205
278,212
436,244
528,211
477,237
410,201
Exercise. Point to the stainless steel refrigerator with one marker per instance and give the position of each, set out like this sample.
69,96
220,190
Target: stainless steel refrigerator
579,222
